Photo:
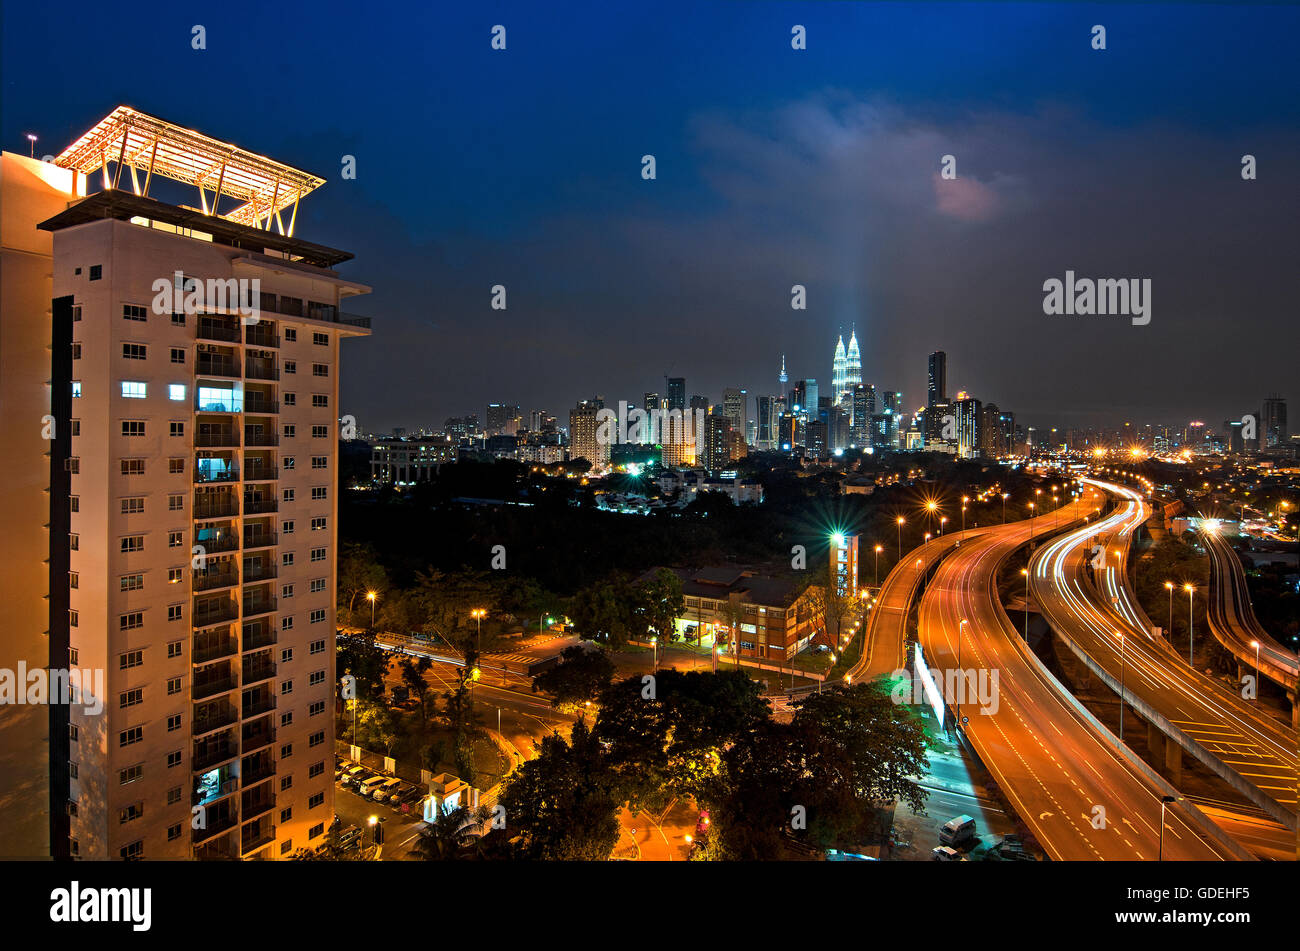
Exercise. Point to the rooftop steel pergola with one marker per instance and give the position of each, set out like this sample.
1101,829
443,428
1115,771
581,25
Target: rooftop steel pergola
140,143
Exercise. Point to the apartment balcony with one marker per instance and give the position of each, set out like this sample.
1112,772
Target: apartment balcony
216,440
259,506
207,365
259,370
213,687
225,541
258,635
219,821
254,439
209,649
212,580
264,539
210,613
256,335
209,505
257,705
209,328
210,791
256,768
210,717
256,802
261,474
255,835
353,320
257,735
262,572
212,475
256,671
213,751
268,407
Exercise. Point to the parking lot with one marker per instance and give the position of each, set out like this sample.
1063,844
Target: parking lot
400,821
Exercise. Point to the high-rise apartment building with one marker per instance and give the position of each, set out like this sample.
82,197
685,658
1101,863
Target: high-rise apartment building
967,418
1272,422
195,393
583,442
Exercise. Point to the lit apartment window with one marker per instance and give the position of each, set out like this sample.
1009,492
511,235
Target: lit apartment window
134,351
176,392
76,389
175,575
134,312
317,523
130,774
133,582
134,389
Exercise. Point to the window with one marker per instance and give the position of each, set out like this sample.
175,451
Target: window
286,495
317,523
130,774
134,312
173,832
178,318
130,813
76,427
286,782
132,467
175,539
320,432
286,719
290,399
134,389
96,271
174,612
316,800
173,685
320,340
286,591
176,503
174,649
130,659
130,736
133,506
286,623
76,389
316,709
131,698
74,503
132,427
130,621
287,462
74,542
176,392
317,676
290,334
320,369
74,465
76,308
178,355
135,851
286,559
318,829
287,750
286,527
317,647
76,351
320,462
132,543
290,430
286,655
134,351
318,616
286,687
173,795
174,759
74,582
74,618
73,732
133,582
320,401
175,575
173,723
318,554
175,466
290,366
177,429
285,814
319,492
316,739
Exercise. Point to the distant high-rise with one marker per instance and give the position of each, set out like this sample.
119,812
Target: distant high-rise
938,388
735,406
583,443
782,378
966,410
864,407
1272,423
676,393
838,368
852,371
717,442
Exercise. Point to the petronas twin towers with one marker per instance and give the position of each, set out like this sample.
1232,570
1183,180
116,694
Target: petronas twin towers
847,370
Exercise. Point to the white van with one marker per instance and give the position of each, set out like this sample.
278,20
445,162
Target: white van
369,786
956,831
385,789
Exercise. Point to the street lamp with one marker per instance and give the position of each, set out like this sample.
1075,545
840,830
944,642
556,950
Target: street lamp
878,548
900,537
941,521
1191,622
32,140
961,688
1004,507
1025,572
477,614
654,643
370,596
1255,644
1164,804
1169,586
1120,635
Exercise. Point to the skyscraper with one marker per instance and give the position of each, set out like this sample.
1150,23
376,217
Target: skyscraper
676,393
735,406
838,369
852,371
583,443
938,387
195,394
1272,423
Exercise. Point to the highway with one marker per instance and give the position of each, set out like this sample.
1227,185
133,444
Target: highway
1233,622
1095,611
1083,798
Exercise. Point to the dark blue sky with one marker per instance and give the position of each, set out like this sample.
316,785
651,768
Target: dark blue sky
775,167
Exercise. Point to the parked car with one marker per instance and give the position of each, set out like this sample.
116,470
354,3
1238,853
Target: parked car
412,793
383,790
368,785
946,853
352,775
957,830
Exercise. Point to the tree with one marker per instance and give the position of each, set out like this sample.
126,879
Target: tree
660,603
562,803
413,672
449,836
359,573
733,613
582,673
602,612
362,658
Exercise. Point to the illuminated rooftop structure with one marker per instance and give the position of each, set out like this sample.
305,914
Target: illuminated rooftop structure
145,146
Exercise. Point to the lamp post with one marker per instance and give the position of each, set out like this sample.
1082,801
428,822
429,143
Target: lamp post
878,548
1025,572
1191,622
942,519
654,644
1169,586
477,615
960,675
32,140
1120,635
1004,507
370,596
1164,803
900,537
1255,644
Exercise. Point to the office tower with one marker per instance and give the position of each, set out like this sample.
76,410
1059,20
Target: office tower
676,389
935,419
1235,440
816,438
966,410
798,396
460,428
1272,422
864,408
700,403
30,192
652,401
893,401
583,442
839,422
498,415
812,399
838,369
938,387
768,419
989,432
195,375
735,406
717,435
